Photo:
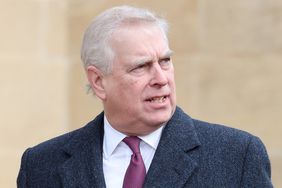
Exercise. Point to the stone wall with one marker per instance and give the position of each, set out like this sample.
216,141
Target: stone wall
33,78
227,61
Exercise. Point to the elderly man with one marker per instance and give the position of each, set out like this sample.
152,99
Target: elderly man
142,139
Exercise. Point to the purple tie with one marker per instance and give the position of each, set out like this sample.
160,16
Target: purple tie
136,172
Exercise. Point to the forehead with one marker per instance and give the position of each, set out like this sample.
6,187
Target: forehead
139,40
131,27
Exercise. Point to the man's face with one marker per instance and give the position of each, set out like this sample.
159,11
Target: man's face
140,90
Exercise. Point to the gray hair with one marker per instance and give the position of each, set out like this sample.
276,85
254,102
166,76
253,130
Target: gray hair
96,49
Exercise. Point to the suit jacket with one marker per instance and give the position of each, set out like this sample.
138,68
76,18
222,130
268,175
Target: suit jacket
191,153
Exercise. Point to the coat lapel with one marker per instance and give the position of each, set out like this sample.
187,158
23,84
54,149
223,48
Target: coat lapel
172,164
84,166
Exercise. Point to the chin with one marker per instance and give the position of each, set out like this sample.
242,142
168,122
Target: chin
158,119
158,116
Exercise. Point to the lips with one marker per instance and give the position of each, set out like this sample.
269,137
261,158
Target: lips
157,99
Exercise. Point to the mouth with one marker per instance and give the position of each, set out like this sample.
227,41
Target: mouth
157,99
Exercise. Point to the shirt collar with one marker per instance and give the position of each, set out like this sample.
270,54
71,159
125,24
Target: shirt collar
112,138
153,138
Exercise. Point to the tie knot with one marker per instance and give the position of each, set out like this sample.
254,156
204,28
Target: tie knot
133,142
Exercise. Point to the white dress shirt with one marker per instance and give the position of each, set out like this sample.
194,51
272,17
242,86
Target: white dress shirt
117,155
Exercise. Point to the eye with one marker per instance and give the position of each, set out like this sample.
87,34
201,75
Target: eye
139,68
165,62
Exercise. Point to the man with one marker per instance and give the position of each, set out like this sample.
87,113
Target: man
128,65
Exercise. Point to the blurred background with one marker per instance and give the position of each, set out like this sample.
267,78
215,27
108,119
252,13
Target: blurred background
227,62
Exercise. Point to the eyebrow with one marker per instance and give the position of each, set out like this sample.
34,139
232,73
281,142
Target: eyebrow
144,60
167,54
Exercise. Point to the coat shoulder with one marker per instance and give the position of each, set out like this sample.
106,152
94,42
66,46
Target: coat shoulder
220,132
212,133
228,140
238,151
55,143
52,152
40,165
71,139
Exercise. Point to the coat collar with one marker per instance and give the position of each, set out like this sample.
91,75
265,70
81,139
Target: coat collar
172,166
84,167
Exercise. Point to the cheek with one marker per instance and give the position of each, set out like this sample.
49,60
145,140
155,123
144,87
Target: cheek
136,87
135,82
171,78
129,87
132,88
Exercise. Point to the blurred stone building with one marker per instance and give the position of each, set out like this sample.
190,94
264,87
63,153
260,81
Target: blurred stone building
228,62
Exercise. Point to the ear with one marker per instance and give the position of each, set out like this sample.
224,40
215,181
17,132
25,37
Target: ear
95,79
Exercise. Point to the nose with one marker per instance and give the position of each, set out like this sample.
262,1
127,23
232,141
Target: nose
159,77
